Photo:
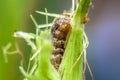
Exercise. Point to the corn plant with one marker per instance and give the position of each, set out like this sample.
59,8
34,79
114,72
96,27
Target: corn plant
74,62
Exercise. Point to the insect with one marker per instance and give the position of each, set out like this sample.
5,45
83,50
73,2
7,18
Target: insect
85,20
60,31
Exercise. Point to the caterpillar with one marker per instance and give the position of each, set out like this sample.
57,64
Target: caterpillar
59,31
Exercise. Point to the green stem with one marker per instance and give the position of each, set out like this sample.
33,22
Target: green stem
80,13
72,64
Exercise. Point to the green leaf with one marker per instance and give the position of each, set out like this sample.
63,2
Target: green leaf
72,52
45,70
71,67
81,12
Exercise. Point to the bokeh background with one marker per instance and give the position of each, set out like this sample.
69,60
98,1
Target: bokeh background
103,31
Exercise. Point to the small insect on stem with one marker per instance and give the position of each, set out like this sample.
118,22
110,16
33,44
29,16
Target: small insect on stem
85,20
60,30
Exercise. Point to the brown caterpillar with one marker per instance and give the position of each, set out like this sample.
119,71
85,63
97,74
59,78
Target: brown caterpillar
60,30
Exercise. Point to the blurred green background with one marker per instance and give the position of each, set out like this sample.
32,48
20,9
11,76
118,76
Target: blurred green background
102,30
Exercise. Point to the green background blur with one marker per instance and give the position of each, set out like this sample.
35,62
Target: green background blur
103,32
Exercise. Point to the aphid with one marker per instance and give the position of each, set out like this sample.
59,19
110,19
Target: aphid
60,31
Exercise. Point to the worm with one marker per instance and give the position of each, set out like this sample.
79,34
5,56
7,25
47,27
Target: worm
60,30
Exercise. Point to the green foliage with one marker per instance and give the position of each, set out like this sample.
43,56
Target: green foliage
70,70
81,12
72,63
71,67
45,70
